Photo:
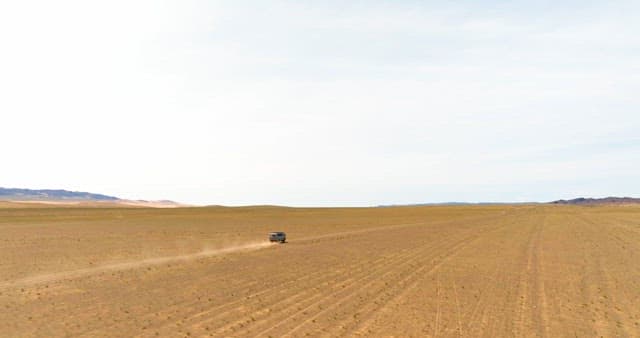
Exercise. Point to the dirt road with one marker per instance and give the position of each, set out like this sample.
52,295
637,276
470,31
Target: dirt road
482,271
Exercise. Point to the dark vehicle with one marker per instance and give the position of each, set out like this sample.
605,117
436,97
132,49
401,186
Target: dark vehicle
277,237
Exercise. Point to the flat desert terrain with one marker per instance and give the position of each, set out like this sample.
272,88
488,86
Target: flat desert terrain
432,271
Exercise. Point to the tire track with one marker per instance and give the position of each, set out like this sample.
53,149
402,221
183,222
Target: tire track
406,285
489,290
412,274
318,273
455,292
532,312
380,306
479,316
292,297
438,311
525,279
131,265
201,318
388,267
205,254
369,278
606,286
141,263
354,283
542,316
323,274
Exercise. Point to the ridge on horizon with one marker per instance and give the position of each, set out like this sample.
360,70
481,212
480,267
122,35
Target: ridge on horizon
18,194
62,195
604,200
52,194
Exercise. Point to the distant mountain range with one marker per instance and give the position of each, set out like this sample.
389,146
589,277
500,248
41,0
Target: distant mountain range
74,197
575,201
593,201
448,204
48,195
13,194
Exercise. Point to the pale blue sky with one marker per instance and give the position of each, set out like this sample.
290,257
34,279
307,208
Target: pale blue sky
322,102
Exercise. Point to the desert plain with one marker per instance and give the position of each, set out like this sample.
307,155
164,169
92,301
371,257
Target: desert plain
423,271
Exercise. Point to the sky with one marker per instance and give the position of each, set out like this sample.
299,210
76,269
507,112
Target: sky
321,103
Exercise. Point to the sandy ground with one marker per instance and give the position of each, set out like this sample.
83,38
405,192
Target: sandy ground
481,271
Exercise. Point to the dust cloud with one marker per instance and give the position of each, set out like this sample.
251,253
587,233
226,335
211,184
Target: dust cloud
130,265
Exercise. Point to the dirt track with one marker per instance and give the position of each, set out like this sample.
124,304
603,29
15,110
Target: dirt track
519,271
